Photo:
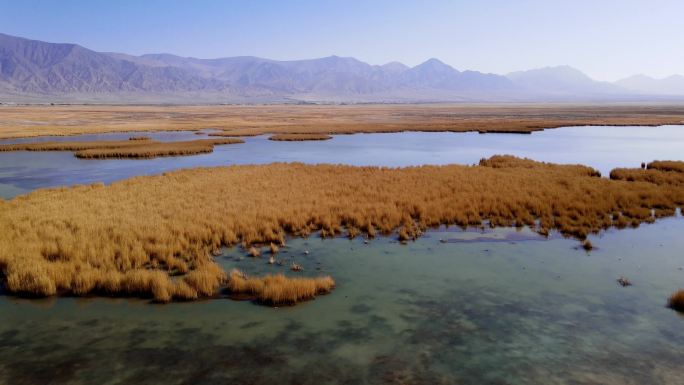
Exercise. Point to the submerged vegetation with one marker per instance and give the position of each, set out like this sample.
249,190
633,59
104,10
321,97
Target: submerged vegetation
299,137
279,289
134,147
155,235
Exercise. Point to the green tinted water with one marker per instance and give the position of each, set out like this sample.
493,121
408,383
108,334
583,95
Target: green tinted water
501,307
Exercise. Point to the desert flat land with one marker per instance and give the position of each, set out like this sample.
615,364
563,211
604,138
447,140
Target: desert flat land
31,121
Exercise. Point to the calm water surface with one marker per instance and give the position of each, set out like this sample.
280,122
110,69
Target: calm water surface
601,147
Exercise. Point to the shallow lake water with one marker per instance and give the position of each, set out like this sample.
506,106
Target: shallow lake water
501,306
601,147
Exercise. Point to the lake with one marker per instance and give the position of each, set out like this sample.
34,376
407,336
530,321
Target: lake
601,147
503,306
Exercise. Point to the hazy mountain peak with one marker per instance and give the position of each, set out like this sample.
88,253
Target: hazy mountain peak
671,85
434,64
394,67
675,77
560,72
562,79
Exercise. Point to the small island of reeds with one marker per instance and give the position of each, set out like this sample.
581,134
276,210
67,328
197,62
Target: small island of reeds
278,289
299,137
134,147
676,301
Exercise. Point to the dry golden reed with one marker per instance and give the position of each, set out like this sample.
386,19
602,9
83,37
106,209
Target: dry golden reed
279,289
26,121
254,251
666,165
660,172
154,235
299,137
134,147
676,300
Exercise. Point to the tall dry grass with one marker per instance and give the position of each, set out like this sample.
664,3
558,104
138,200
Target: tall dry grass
134,147
279,289
676,300
649,175
26,121
154,235
666,165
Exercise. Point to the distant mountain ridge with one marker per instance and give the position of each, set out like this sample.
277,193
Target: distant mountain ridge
562,79
672,85
38,71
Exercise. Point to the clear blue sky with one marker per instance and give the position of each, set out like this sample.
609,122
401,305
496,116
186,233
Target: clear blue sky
607,39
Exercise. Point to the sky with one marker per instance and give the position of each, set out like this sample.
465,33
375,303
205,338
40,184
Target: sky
606,39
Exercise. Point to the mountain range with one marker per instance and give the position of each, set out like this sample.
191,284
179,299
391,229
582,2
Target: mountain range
36,71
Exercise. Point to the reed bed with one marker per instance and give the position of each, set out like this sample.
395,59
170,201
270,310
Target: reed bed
134,147
27,121
649,175
676,300
154,235
665,165
279,289
299,137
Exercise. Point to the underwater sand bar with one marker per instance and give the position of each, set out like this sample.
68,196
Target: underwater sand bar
153,235
135,147
29,121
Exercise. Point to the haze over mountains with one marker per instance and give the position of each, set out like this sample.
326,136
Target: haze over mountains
35,71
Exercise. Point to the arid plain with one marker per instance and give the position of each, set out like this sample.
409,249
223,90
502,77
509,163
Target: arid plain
237,120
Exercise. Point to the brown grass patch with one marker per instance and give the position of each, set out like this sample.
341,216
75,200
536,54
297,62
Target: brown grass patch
666,165
279,289
26,121
135,236
650,175
676,300
140,147
299,137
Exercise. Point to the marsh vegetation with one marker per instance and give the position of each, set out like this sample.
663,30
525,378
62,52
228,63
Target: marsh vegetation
676,300
278,289
27,121
154,235
134,147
